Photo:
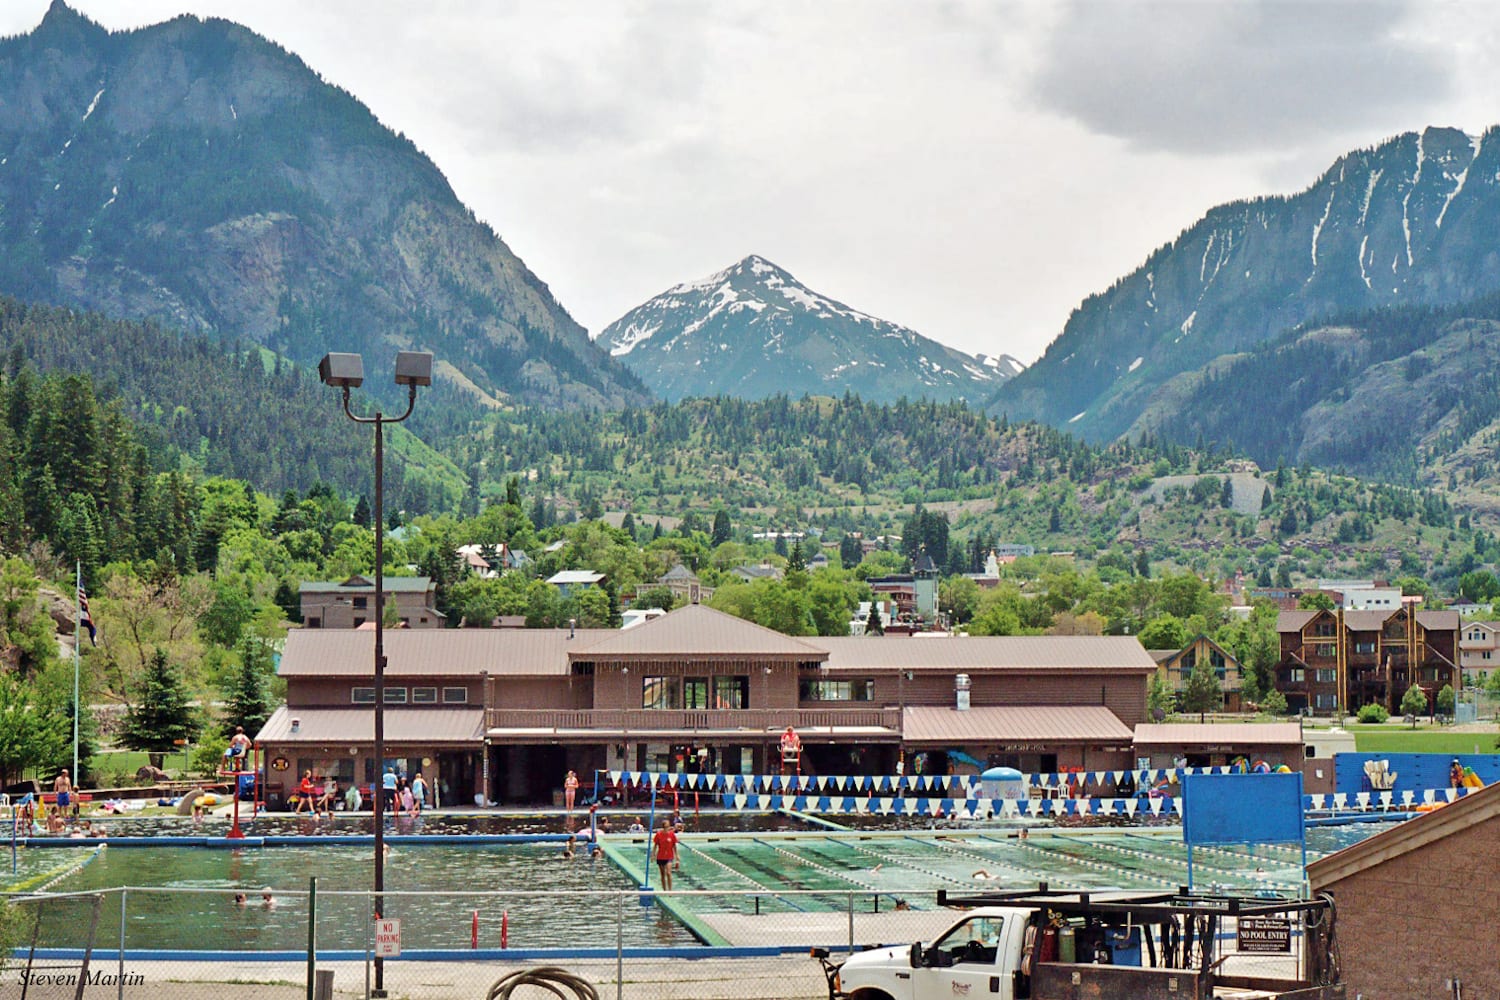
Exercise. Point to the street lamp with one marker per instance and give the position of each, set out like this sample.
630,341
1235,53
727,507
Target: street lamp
345,372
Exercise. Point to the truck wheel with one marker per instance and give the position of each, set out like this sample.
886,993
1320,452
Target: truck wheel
870,995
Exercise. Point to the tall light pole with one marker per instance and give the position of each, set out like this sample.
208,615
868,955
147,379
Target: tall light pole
346,372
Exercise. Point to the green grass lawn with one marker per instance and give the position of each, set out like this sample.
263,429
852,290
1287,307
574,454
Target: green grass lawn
1382,739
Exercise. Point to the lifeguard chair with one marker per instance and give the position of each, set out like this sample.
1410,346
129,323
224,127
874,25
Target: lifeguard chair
791,751
234,768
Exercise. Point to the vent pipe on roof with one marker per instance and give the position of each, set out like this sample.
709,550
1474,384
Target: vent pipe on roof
572,624
961,686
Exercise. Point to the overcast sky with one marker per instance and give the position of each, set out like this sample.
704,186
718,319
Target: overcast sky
971,170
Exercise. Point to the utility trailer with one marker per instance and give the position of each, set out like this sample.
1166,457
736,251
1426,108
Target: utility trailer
1054,945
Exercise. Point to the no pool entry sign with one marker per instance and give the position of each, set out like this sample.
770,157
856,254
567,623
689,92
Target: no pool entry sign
387,938
1265,935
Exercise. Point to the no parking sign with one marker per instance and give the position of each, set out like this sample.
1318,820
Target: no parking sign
388,938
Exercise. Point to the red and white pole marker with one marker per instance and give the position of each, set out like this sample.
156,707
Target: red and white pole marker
505,928
474,931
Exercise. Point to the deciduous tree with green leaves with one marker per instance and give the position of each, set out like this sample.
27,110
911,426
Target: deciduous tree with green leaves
1414,703
1202,693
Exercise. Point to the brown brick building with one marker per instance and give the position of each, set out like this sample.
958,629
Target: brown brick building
1417,906
505,713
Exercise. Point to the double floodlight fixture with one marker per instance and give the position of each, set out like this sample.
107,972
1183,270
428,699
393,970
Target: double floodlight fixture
347,371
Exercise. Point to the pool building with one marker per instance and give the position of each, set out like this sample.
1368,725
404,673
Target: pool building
501,715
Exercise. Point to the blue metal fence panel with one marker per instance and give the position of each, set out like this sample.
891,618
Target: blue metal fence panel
1415,772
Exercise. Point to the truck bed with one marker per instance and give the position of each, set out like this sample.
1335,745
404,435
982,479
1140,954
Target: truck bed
1065,981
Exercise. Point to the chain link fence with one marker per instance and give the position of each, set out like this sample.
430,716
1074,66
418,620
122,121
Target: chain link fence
184,942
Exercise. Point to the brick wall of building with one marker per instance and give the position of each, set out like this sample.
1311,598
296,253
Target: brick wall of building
1408,926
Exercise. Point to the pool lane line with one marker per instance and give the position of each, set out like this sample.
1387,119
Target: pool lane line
1063,856
945,844
812,820
51,875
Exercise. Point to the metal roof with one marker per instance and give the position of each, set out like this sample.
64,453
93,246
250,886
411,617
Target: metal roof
1219,734
1013,724
353,726
699,631
361,585
1000,652
568,577
1367,621
433,652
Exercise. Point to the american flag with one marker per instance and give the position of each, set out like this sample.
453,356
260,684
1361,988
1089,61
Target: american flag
84,618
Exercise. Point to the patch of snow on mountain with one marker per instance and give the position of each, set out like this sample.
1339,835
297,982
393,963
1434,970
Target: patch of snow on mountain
1077,416
1415,178
114,193
634,334
92,105
1364,209
702,284
1135,364
1463,175
1318,228
1187,324
979,374
233,113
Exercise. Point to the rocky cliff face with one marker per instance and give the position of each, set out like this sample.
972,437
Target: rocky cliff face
196,174
1413,221
752,330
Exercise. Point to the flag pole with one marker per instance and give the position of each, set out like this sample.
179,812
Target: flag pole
77,641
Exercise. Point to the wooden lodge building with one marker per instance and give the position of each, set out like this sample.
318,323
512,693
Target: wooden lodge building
1342,660
501,715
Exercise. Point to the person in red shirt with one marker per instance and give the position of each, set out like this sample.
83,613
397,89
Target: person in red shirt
306,794
665,843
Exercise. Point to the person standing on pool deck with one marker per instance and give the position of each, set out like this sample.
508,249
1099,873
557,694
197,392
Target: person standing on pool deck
63,786
388,790
570,789
665,842
419,791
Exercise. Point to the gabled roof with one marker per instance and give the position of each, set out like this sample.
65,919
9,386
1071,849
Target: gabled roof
435,652
1296,621
364,585
569,577
1013,724
1438,621
677,572
1191,643
343,726
762,572
1479,810
1046,653
701,632
1219,734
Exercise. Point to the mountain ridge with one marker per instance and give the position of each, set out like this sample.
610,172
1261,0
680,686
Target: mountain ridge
753,330
196,174
1407,221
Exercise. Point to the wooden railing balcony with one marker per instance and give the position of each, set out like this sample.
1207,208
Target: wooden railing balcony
692,720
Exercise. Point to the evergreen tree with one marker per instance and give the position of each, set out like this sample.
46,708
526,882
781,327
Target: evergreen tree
873,625
721,529
161,715
249,700
627,524
362,512
794,561
513,491
850,552
780,547
1159,697
1202,693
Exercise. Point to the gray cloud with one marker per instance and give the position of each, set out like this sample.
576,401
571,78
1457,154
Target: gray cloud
1225,77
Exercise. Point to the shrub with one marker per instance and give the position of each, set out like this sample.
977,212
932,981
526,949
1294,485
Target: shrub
1373,713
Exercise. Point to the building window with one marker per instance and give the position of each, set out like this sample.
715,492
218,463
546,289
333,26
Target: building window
315,622
1323,649
1326,701
732,692
1324,676
424,696
395,696
1323,629
1294,675
661,692
695,692
363,696
1364,647
863,690
455,696
361,602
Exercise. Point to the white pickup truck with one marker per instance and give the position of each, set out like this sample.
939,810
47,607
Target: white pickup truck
1071,946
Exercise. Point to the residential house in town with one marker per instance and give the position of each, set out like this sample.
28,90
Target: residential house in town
489,561
570,581
1341,660
351,603
1176,665
1479,650
684,585
762,571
